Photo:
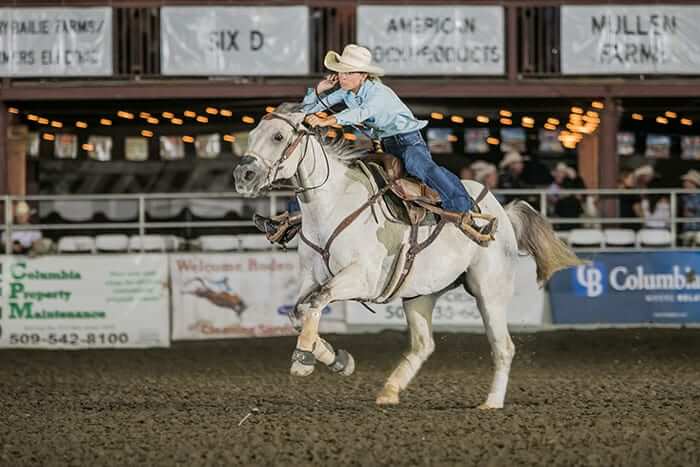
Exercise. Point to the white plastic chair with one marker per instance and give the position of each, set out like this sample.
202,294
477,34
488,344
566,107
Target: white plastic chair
76,244
209,208
150,243
586,238
219,243
654,237
112,243
75,211
164,208
121,210
620,237
254,242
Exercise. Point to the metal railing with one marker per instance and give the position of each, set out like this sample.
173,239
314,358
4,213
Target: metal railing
541,199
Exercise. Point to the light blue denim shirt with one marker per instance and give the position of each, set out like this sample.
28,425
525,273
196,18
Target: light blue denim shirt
375,106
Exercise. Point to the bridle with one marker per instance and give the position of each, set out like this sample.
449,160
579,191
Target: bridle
301,132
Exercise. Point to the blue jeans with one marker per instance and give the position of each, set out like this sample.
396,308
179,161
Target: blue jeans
413,151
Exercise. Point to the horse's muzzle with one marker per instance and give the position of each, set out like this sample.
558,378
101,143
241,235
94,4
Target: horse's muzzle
248,175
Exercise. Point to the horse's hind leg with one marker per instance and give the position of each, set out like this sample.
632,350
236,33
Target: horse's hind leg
419,315
493,293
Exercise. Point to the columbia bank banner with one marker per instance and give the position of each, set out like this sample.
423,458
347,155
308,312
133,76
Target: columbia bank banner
656,287
75,302
434,40
231,40
56,41
218,296
618,39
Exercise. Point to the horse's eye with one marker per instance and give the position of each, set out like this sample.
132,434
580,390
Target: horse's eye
279,137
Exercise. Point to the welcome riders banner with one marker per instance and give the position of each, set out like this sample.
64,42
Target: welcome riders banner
256,41
616,39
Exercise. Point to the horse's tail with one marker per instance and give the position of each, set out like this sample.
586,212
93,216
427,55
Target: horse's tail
536,236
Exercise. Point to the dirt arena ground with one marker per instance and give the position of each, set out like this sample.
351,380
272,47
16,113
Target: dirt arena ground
614,397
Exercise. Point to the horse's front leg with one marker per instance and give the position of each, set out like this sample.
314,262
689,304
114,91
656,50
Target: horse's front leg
347,284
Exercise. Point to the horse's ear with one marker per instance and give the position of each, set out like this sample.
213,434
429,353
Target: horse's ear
289,108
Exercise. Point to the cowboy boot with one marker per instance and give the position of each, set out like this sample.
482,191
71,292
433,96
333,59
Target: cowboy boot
481,234
279,229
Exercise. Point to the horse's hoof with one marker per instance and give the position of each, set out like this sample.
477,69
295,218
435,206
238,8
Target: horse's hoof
299,369
343,364
389,395
486,406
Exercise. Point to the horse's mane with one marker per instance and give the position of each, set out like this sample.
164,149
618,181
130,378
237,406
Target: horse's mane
344,150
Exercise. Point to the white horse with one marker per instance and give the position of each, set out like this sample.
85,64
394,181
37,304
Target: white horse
360,261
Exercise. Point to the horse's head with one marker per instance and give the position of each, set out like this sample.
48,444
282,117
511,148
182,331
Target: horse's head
274,152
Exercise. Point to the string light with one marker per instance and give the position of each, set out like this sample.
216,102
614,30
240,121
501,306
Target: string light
492,141
81,124
550,126
88,147
437,116
506,121
505,113
661,120
189,114
576,110
225,113
637,117
247,119
592,114
553,121
32,117
56,124
145,115
212,110
229,138
482,119
670,114
202,119
152,120
686,121
105,121
167,115
457,119
146,133
452,138
48,137
13,110
176,121
269,109
597,105
43,121
188,139
528,121
127,115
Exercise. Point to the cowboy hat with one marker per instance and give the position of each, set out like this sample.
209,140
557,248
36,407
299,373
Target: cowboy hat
692,176
482,169
646,169
353,59
511,158
565,169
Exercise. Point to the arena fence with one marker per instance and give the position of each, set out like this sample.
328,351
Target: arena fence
600,208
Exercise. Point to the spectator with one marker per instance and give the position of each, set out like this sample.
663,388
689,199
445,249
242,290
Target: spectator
24,241
630,205
691,207
487,175
466,173
560,174
512,167
657,209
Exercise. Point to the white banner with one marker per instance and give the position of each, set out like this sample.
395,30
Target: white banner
618,39
75,302
208,40
56,41
457,308
237,295
434,40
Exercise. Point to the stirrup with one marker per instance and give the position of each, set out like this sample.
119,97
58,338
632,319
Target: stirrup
482,235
